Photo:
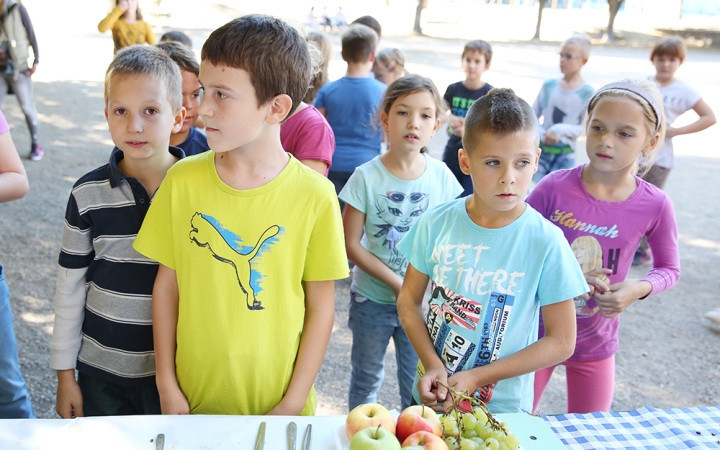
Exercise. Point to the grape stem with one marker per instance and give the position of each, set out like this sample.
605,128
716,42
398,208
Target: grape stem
458,397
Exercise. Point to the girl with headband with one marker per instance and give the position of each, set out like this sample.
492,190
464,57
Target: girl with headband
606,200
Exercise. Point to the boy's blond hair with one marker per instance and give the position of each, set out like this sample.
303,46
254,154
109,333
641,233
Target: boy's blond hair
581,41
358,43
146,60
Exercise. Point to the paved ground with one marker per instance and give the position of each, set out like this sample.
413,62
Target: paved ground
669,355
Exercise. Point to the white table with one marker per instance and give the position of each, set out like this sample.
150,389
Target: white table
208,432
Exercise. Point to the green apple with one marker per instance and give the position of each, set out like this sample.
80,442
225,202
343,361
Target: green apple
374,438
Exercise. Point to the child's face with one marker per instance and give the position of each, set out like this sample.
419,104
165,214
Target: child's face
617,134
571,59
191,99
474,65
411,122
665,67
501,168
229,107
384,74
140,116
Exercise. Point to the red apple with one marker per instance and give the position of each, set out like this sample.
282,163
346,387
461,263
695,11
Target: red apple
374,438
417,418
369,415
425,440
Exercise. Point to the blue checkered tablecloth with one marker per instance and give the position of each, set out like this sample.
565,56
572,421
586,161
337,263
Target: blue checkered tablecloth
644,428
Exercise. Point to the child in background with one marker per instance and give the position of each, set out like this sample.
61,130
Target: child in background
248,239
177,36
306,134
389,65
322,42
14,398
494,264
350,103
605,201
127,25
369,21
103,319
561,105
384,198
189,139
460,96
678,97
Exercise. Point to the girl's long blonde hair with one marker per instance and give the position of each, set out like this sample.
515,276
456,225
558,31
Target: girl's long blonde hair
651,121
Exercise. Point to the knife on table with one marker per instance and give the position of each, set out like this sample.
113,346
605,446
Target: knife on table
291,435
306,438
260,441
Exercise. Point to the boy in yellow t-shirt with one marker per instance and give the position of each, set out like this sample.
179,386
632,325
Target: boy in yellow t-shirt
248,239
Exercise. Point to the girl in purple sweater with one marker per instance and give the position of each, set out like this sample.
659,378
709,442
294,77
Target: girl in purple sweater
604,209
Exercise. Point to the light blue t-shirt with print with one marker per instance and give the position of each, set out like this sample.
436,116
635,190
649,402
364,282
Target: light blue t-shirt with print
487,287
391,207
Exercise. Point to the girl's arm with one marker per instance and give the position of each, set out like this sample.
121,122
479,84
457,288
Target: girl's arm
316,165
109,21
165,299
353,222
706,119
555,347
319,320
150,37
13,180
409,306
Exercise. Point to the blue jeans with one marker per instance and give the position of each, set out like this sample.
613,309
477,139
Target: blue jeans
23,88
103,398
372,325
14,399
550,163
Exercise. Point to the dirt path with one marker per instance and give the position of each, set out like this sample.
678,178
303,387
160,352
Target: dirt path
669,355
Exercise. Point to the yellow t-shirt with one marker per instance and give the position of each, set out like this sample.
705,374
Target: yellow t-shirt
240,259
125,34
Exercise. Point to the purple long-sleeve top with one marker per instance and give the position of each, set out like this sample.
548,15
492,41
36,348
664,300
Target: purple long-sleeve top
606,234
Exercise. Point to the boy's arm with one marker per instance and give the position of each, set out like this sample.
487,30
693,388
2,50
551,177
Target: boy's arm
556,346
165,301
409,306
66,338
316,165
323,111
317,327
353,223
706,119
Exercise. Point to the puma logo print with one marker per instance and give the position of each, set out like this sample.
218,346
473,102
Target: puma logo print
205,234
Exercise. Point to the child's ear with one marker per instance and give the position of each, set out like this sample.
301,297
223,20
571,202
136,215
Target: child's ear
464,160
179,119
106,114
651,144
437,125
372,57
384,121
280,106
537,160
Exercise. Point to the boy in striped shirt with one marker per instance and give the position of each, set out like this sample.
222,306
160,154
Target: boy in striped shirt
103,314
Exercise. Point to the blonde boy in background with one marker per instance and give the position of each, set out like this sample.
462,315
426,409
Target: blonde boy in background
561,105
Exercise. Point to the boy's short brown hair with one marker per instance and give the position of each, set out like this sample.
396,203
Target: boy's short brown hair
672,46
501,113
369,21
147,60
358,43
270,50
480,46
183,56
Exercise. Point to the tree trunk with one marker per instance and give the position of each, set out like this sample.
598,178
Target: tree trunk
417,29
614,7
541,6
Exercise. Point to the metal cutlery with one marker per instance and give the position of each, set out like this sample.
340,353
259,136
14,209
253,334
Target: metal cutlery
260,441
307,438
160,442
291,435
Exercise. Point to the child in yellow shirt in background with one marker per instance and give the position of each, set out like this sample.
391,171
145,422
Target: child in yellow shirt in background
249,240
127,25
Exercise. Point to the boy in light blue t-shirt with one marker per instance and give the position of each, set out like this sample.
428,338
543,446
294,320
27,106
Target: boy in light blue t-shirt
493,263
350,103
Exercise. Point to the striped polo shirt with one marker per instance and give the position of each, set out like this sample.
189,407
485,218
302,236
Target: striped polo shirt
103,216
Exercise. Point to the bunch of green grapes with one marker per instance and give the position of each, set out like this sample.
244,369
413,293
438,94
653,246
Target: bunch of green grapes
476,430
